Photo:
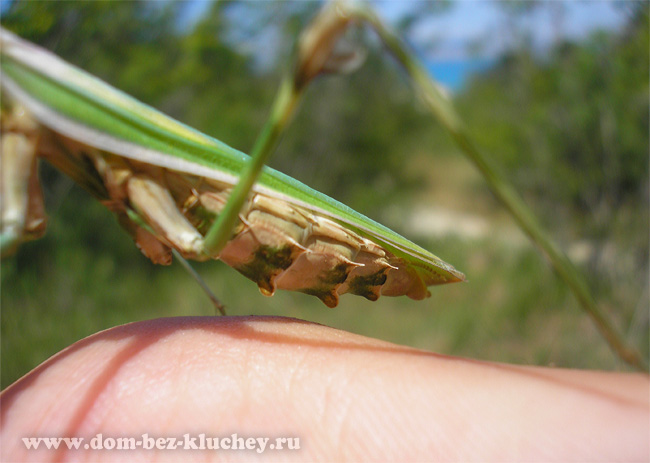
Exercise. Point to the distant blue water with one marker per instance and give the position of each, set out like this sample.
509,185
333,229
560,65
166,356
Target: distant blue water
455,74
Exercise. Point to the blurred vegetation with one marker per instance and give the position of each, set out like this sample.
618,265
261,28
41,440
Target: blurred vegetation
569,127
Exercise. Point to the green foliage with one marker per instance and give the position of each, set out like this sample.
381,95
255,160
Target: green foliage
583,108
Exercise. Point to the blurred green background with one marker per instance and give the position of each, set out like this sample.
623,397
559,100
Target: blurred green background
566,122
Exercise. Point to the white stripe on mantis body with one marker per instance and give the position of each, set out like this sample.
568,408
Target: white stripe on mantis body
48,64
108,143
54,67
103,141
431,269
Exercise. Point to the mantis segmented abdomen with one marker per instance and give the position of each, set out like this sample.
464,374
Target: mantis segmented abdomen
167,184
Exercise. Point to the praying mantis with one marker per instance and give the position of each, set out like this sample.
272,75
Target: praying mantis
178,191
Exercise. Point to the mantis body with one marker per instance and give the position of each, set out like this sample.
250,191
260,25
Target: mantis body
167,185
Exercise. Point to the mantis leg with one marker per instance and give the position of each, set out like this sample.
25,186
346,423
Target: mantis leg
283,108
158,209
159,212
23,216
315,55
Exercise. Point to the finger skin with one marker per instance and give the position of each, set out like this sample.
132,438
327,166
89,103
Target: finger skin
346,397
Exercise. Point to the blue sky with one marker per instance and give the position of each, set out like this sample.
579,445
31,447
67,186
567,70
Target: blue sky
483,21
481,26
471,34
